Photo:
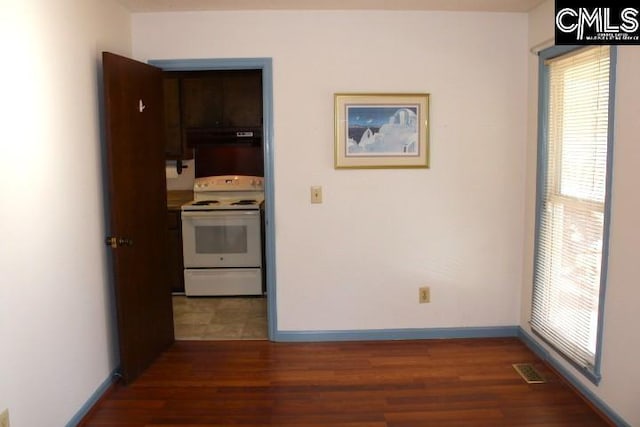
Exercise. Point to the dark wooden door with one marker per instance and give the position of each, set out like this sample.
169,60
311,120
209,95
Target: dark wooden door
138,210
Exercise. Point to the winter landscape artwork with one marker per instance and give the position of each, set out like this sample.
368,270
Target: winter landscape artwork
381,130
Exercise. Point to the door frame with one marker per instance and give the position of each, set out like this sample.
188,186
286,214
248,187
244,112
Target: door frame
266,65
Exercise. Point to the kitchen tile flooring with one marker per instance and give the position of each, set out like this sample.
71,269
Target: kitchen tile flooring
220,318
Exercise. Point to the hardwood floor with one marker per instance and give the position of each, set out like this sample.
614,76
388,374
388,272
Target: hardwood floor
467,382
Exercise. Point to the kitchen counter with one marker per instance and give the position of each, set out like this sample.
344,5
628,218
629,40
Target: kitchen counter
177,198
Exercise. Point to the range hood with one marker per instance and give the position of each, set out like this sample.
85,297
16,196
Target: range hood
214,136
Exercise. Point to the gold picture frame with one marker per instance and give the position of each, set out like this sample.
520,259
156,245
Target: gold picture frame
381,130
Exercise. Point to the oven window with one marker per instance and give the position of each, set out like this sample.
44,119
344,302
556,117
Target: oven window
221,239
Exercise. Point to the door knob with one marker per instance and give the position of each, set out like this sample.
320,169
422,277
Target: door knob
116,242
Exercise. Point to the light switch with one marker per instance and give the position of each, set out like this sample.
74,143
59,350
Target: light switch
316,194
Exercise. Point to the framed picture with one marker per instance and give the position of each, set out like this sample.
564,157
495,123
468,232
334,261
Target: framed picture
381,130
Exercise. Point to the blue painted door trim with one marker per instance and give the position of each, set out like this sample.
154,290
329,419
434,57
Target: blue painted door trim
266,65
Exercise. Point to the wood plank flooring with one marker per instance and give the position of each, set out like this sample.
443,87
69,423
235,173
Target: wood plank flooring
467,382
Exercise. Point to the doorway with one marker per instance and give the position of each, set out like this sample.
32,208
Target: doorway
265,65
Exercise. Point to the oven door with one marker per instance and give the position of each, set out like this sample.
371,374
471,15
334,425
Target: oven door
223,238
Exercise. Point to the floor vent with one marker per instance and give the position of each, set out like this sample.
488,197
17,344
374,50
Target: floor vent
529,373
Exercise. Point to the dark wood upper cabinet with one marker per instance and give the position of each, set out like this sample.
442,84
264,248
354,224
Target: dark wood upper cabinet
222,99
242,105
205,105
175,143
202,101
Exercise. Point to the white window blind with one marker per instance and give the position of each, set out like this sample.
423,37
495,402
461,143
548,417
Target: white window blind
571,205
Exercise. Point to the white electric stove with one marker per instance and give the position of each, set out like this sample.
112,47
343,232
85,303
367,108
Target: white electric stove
222,236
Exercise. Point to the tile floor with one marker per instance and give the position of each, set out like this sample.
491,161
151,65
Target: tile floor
220,318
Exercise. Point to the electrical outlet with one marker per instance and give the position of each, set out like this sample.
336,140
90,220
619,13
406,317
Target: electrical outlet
316,194
4,418
424,295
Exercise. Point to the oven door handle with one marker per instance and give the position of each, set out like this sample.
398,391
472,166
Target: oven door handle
214,214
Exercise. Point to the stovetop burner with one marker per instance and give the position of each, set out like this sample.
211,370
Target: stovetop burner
205,202
222,204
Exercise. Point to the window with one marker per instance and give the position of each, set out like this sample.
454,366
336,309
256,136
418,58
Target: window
572,213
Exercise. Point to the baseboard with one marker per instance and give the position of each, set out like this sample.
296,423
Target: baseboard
84,410
547,356
396,334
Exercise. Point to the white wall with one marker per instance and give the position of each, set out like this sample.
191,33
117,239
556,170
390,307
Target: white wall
56,334
356,261
620,385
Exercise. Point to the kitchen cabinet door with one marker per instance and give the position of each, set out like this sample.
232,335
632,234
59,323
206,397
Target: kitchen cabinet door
176,262
202,100
222,99
242,101
175,144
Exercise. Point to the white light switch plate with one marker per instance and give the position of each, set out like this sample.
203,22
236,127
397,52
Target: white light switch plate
316,194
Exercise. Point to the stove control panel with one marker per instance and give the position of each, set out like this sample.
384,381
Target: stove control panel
229,183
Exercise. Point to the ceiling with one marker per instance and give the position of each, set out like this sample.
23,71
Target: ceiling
455,5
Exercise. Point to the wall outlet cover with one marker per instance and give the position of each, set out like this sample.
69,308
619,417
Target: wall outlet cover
424,295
